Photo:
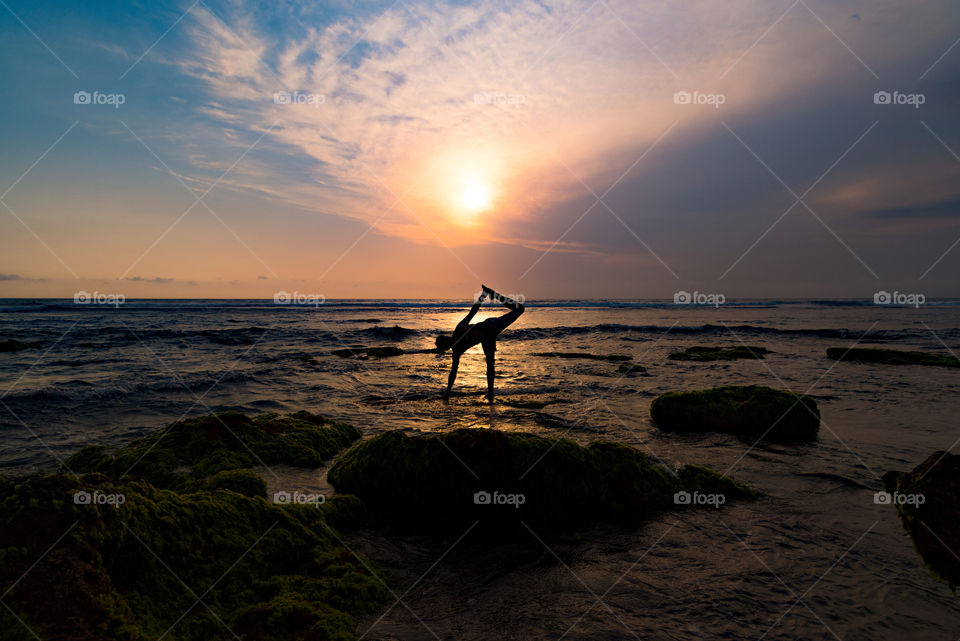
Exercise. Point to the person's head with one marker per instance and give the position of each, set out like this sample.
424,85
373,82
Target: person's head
444,343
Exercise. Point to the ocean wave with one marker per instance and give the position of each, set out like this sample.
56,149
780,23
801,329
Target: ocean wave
78,391
395,333
530,333
228,336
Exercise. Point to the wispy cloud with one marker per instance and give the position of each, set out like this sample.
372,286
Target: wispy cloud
387,113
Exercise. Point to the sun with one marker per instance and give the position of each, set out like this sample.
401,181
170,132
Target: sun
475,197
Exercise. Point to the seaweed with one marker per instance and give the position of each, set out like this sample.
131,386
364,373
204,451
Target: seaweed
927,500
184,454
750,412
436,483
198,566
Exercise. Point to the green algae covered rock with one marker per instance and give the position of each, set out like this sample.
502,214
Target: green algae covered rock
184,454
890,356
91,558
448,481
245,482
752,412
927,501
702,354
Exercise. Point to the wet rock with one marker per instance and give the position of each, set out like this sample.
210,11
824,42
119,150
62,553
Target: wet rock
184,454
364,353
111,568
890,356
13,345
447,481
701,354
927,501
752,412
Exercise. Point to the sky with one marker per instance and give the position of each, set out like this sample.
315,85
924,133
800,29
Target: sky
554,149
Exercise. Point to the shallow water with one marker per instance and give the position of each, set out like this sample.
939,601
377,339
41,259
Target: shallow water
108,375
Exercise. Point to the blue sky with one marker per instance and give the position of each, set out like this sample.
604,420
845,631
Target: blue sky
545,147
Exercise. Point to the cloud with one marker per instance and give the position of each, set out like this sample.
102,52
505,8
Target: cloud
945,209
157,280
12,277
401,106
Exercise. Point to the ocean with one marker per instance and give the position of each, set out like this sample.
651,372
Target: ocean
814,558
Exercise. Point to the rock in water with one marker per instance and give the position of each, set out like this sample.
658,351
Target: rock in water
91,559
448,481
184,454
890,356
13,345
702,354
752,412
928,503
364,353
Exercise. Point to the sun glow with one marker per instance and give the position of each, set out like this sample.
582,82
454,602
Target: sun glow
475,197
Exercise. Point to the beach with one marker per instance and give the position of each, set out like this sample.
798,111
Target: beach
814,554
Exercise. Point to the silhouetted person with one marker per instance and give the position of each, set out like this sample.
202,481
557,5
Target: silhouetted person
483,333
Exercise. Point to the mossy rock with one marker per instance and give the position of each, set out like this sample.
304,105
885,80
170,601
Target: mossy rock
120,573
245,482
13,345
433,482
890,356
933,522
364,353
702,354
585,356
184,454
752,412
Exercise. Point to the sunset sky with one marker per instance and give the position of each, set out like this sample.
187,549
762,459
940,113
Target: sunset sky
412,149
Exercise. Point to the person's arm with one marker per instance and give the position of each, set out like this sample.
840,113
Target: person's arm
453,375
473,310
